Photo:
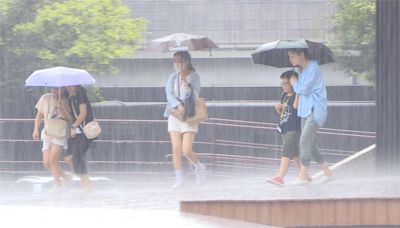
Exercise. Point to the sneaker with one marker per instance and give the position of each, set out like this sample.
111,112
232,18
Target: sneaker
55,189
178,184
276,181
325,179
200,174
299,182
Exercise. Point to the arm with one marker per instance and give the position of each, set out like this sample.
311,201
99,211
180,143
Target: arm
82,115
308,82
296,102
278,107
169,92
38,120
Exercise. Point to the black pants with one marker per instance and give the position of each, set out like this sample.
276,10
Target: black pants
77,147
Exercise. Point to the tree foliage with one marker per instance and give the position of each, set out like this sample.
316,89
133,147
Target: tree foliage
354,33
85,34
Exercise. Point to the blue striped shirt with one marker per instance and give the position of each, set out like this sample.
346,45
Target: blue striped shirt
312,93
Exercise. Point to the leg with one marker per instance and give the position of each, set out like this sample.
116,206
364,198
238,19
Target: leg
46,159
283,167
79,146
307,138
176,143
187,147
54,153
297,162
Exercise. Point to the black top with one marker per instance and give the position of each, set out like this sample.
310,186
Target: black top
78,99
289,120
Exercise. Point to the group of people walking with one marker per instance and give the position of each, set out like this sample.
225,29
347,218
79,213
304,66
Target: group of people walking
65,110
303,110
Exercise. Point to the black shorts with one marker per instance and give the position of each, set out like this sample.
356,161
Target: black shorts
291,140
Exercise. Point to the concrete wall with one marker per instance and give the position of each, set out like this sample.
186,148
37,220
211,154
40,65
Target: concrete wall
237,21
238,27
239,72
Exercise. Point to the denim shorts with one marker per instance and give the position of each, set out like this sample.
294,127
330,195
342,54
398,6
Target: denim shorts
291,140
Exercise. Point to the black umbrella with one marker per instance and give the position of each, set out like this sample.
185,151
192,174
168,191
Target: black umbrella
181,41
276,53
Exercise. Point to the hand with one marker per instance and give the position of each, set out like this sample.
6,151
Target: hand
279,107
35,135
73,132
181,109
293,80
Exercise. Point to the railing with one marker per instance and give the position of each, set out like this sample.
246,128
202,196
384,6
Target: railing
217,161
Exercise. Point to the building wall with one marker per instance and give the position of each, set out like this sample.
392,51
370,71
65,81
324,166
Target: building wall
238,27
237,21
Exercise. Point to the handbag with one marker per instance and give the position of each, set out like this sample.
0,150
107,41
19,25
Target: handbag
201,113
92,129
55,127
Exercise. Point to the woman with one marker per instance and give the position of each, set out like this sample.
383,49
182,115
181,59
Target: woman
181,133
53,108
78,144
312,108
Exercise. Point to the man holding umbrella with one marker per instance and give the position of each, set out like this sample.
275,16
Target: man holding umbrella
312,109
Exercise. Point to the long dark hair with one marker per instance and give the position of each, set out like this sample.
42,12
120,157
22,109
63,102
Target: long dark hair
186,59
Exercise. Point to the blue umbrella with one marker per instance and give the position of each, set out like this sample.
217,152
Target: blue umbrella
59,77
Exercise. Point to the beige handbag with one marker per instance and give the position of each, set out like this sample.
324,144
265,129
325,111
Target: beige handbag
201,113
92,129
55,127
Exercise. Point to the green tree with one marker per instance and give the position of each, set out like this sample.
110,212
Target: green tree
354,36
86,34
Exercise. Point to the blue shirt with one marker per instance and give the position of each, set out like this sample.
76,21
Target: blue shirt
312,93
172,101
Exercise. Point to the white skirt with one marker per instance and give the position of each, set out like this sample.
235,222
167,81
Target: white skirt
175,124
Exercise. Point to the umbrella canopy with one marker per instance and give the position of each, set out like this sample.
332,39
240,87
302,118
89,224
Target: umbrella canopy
181,41
59,76
276,53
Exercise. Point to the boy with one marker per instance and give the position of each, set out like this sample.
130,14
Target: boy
289,127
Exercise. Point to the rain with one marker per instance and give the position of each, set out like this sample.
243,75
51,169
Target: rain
122,45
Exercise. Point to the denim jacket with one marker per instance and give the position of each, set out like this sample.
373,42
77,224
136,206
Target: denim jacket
193,79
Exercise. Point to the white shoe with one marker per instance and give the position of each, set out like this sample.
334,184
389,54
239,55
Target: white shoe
299,182
200,174
325,179
56,189
178,184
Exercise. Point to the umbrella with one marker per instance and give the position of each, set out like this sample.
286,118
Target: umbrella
276,53
181,41
59,76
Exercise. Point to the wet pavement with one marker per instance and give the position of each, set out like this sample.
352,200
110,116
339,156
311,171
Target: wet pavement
150,201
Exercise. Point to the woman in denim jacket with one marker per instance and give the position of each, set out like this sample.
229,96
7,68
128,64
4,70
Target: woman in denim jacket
182,134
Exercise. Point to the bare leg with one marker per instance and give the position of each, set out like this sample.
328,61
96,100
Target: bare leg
303,175
46,159
86,184
56,171
325,168
176,141
283,167
297,162
187,144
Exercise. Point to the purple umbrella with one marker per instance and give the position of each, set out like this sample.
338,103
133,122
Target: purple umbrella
59,77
